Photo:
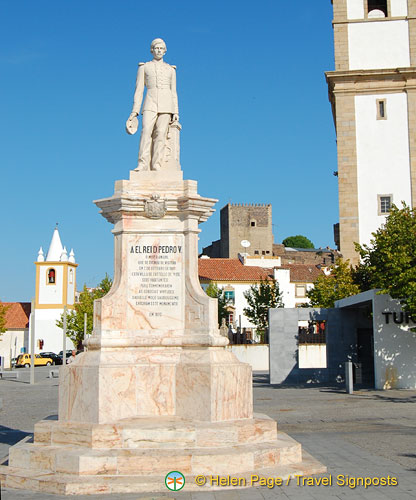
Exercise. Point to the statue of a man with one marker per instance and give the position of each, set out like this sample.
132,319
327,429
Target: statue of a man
160,106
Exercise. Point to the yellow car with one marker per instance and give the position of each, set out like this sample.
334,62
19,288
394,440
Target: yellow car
24,360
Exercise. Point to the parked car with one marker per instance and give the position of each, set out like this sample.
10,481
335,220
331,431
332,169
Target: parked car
24,360
57,360
68,353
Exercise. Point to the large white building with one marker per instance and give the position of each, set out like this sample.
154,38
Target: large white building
373,97
55,289
236,276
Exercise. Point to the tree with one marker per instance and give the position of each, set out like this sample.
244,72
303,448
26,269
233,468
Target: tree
75,318
218,293
260,298
335,286
3,310
389,261
298,241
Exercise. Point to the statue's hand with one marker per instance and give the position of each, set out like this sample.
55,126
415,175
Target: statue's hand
175,117
132,123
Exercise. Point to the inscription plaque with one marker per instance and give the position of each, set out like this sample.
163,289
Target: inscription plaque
156,286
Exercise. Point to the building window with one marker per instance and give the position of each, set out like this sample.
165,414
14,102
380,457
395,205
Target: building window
229,296
385,202
256,252
230,318
71,276
381,109
253,223
263,252
300,290
51,276
376,7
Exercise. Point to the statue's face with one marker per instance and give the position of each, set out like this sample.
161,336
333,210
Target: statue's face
158,51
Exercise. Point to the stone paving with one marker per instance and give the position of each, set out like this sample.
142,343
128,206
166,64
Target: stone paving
367,434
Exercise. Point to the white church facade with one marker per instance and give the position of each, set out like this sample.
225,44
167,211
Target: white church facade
373,97
55,289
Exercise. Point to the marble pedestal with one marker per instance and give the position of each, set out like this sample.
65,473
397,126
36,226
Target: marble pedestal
155,390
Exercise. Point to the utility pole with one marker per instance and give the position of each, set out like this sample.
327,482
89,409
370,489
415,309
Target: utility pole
32,342
64,338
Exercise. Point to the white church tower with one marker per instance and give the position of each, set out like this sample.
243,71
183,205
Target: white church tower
373,97
55,288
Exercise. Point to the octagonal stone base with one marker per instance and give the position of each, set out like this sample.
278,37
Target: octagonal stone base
134,455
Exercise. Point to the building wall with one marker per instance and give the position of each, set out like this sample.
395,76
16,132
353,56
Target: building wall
239,302
288,289
383,162
50,293
11,342
255,355
356,8
46,329
347,175
71,281
379,44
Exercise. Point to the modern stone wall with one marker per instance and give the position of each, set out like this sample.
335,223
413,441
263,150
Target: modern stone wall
341,344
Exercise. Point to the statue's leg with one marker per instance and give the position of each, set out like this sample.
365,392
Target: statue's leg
145,148
159,139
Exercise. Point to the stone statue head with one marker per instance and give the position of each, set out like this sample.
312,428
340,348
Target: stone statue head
158,43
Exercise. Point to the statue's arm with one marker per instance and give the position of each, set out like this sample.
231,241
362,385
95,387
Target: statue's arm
138,94
174,95
132,122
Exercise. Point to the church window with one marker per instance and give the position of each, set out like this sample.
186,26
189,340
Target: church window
377,6
51,276
71,276
229,296
253,223
381,109
385,202
256,252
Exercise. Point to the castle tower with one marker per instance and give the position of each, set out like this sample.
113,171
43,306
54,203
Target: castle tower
55,288
373,97
250,222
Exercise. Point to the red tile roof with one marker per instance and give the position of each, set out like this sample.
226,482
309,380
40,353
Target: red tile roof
17,314
231,270
303,272
234,270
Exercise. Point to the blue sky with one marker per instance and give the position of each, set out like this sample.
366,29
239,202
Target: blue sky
253,104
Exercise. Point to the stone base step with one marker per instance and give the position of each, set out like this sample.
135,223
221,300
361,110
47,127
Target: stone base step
66,484
86,461
160,433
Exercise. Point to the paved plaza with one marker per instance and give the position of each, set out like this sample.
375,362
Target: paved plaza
368,434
